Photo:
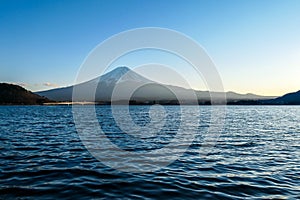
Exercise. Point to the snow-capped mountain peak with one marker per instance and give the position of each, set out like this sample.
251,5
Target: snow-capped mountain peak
122,74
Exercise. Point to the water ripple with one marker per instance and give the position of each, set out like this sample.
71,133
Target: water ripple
257,157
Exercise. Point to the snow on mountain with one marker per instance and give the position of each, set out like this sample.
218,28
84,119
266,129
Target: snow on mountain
106,83
122,74
127,79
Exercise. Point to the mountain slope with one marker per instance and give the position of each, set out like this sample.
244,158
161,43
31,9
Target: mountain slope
106,83
287,99
126,79
16,95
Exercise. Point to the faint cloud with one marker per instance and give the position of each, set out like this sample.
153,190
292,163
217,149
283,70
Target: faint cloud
50,84
20,84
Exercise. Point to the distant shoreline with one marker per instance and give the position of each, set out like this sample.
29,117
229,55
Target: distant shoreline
229,105
173,102
15,95
142,104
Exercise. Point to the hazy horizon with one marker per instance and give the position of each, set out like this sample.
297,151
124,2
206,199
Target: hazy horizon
147,75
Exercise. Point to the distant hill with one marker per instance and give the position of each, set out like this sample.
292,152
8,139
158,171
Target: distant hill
126,78
16,95
288,99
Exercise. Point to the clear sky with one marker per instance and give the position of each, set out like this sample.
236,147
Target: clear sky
255,44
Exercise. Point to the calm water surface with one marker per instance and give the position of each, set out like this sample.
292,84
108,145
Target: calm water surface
257,156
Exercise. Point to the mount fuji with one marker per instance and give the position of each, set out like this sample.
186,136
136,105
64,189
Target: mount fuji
105,86
126,79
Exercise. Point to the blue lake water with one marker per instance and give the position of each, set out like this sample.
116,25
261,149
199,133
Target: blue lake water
257,156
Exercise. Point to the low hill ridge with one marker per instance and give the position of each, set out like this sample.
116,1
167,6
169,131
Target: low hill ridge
11,94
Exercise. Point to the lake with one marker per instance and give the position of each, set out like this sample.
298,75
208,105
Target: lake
257,155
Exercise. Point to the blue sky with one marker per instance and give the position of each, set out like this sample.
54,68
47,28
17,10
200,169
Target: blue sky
255,44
